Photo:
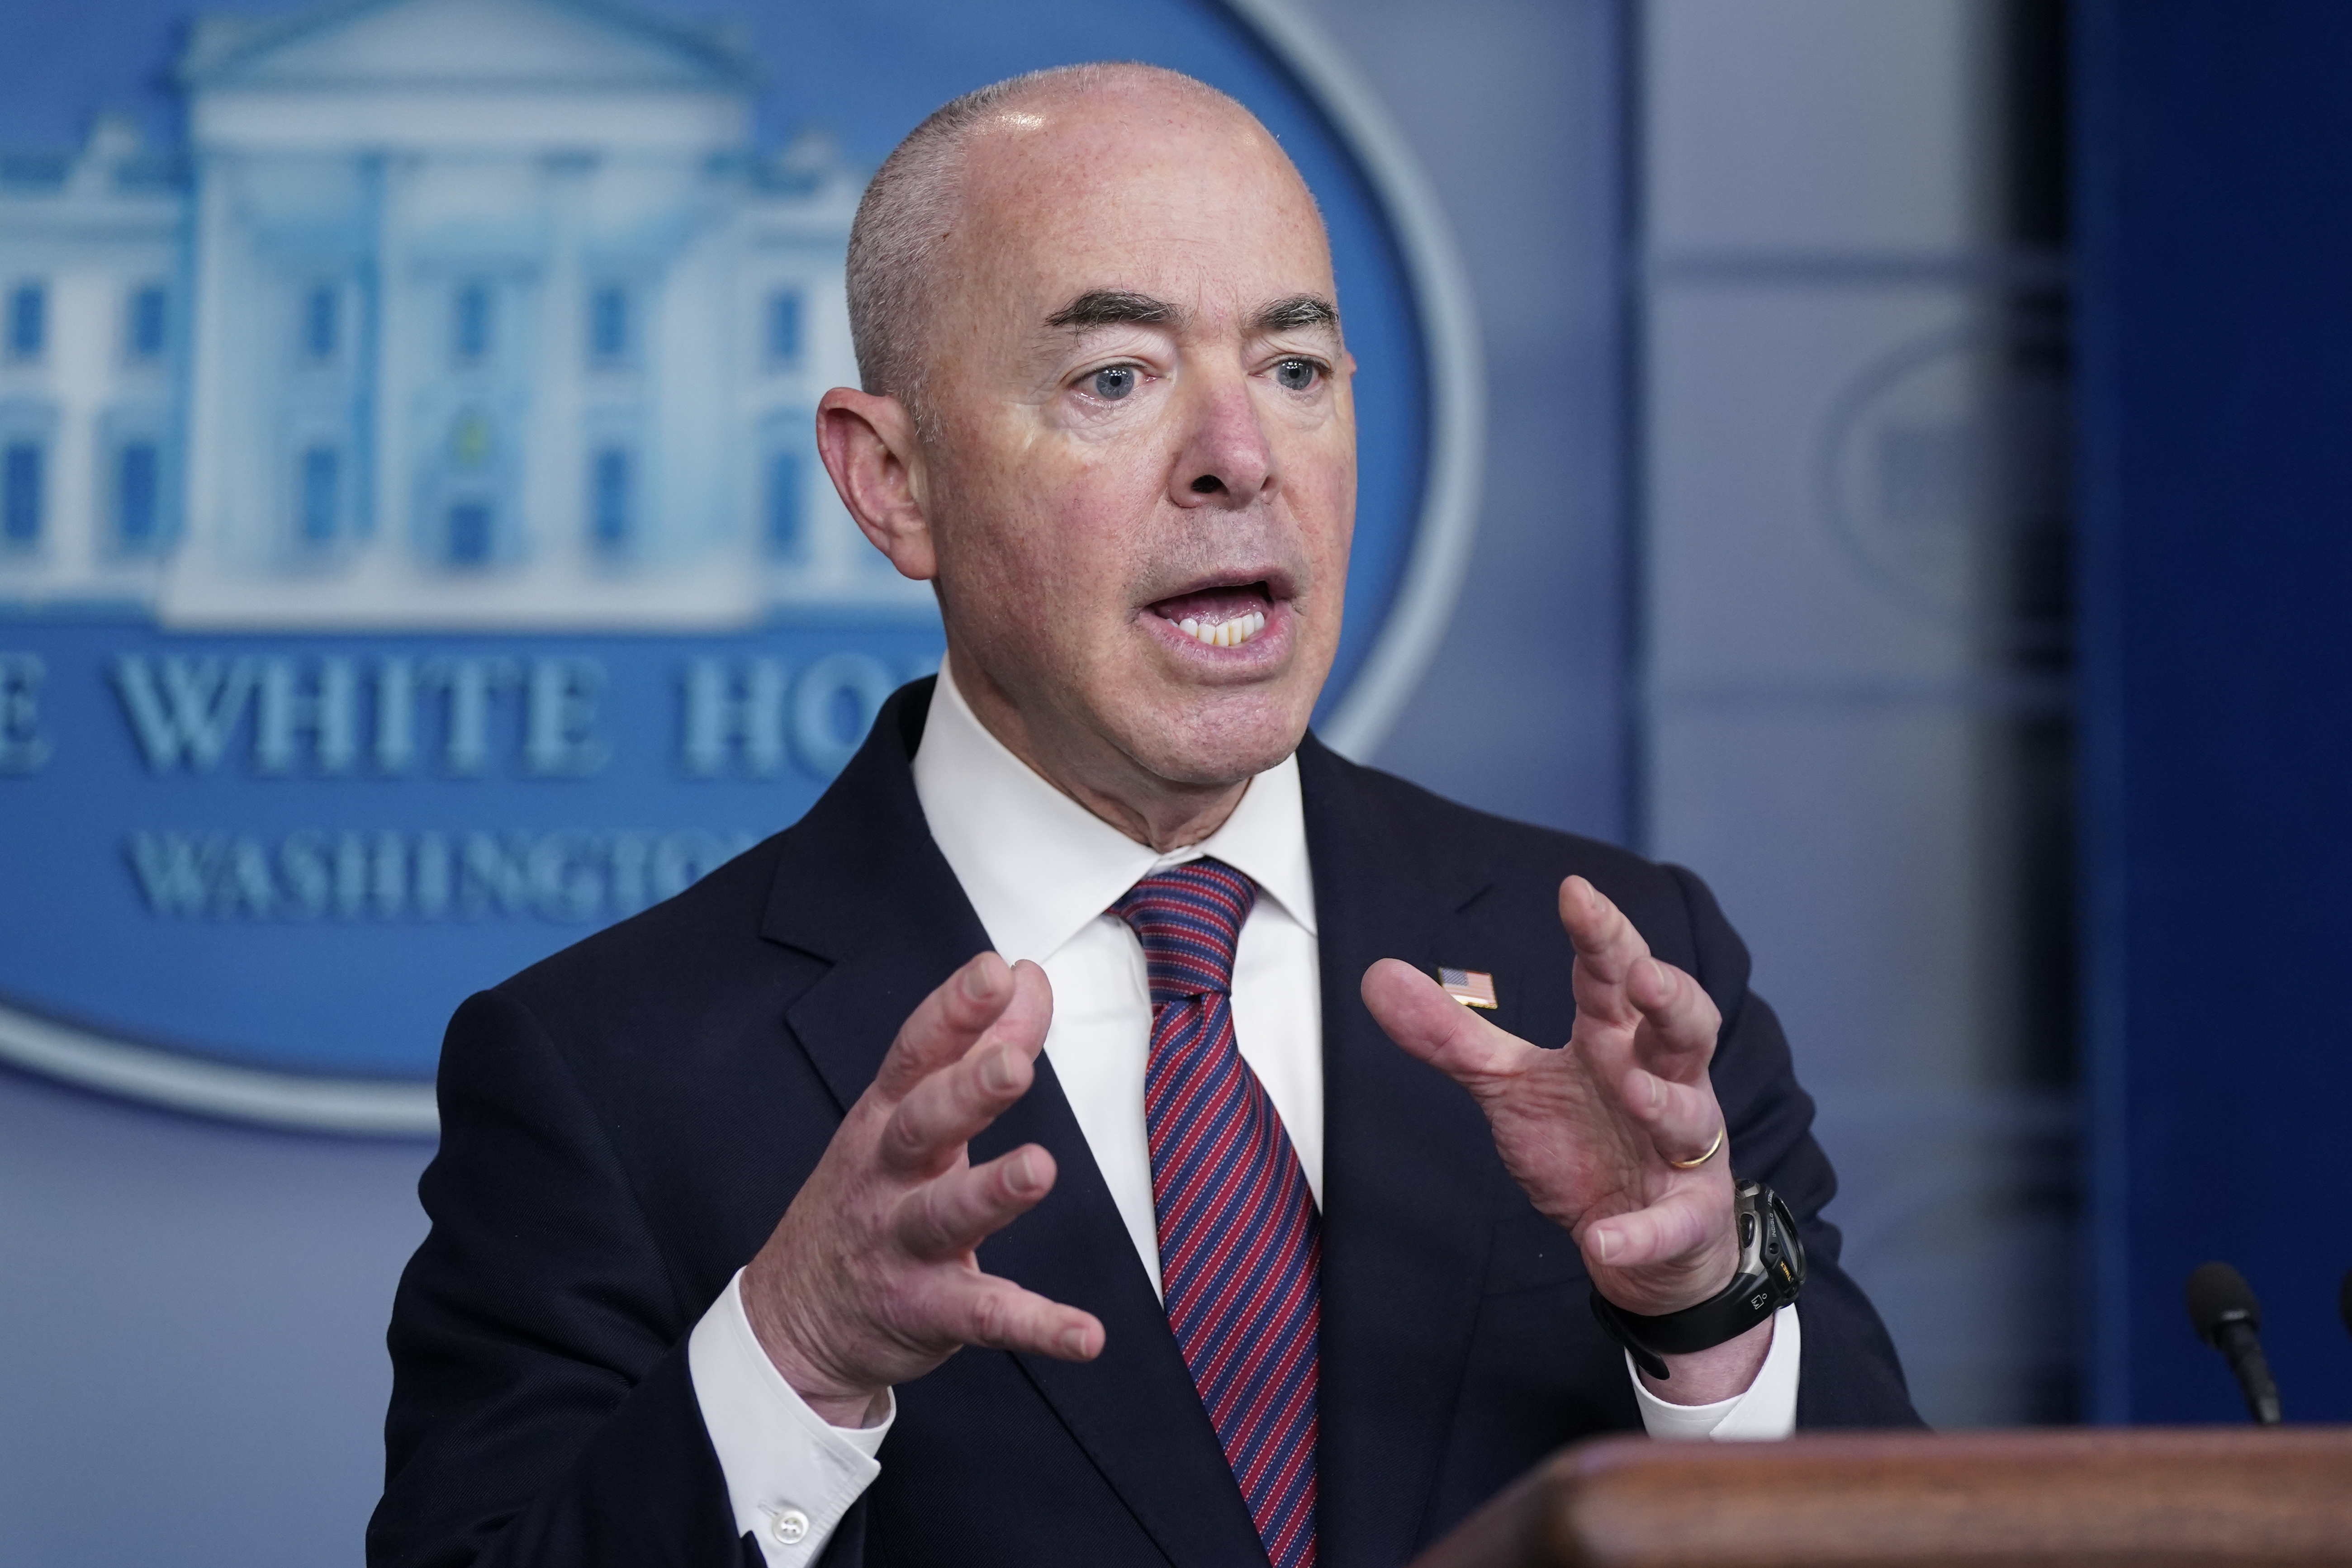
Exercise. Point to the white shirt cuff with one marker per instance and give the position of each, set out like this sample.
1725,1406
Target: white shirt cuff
791,1476
1767,1411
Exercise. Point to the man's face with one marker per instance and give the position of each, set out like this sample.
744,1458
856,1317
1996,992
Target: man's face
1142,465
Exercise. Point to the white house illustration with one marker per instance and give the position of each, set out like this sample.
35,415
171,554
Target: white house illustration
453,313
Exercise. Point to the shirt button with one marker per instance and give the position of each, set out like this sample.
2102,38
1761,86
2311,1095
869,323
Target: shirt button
789,1527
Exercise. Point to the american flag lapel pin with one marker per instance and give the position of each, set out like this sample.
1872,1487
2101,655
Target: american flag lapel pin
1471,987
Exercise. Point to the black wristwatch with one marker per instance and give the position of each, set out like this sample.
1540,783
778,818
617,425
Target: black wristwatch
1772,1272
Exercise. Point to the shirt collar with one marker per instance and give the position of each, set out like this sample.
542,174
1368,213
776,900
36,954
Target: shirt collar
1038,867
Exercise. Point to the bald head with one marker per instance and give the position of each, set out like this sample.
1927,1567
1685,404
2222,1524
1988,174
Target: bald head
1108,416
917,213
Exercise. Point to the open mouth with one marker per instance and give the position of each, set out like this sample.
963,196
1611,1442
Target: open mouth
1219,617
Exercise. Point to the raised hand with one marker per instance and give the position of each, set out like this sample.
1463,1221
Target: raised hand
1590,1131
871,1279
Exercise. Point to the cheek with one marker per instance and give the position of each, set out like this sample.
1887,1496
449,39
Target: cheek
1046,544
1327,496
1091,518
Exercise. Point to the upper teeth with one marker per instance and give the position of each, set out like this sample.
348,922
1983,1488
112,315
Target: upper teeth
1225,634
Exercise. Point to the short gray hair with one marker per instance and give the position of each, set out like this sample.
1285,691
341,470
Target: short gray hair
909,210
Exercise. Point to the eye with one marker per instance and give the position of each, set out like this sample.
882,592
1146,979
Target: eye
1112,384
1296,374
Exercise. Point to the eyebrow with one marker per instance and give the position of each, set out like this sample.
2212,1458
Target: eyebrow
1127,308
1298,311
1114,308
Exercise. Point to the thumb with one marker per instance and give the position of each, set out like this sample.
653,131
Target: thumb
1428,1024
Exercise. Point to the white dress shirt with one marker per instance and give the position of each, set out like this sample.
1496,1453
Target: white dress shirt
1040,870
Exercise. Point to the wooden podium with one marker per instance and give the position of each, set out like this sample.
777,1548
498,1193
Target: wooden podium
2084,1498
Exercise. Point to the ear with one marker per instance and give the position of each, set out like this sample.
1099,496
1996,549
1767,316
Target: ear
869,448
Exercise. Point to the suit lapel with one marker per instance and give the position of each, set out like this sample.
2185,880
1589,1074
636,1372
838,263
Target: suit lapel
1410,1176
861,886
893,922
1134,1409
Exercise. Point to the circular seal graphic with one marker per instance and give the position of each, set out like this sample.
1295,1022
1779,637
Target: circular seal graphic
1943,474
413,551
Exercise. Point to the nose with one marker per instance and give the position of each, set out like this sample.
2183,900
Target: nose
1226,461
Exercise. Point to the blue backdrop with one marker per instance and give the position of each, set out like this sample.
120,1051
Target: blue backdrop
225,908
193,1364
2215,205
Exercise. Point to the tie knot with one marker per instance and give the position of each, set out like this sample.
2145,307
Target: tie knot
1188,918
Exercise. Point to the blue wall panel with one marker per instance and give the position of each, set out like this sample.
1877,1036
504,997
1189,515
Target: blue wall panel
2215,201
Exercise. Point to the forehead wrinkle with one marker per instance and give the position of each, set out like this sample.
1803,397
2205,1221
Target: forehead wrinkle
1036,202
1073,161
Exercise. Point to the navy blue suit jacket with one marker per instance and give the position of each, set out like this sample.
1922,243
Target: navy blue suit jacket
623,1124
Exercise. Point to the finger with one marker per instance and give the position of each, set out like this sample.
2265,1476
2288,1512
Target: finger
1676,1228
1419,1017
1026,1017
946,1110
1679,1019
1681,1119
945,1025
1003,1316
949,1216
1607,947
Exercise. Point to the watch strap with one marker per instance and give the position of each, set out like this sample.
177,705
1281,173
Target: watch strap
1772,1272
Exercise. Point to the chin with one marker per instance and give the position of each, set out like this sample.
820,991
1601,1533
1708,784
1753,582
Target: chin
1226,738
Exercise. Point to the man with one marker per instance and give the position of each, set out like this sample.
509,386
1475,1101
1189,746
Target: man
1164,1229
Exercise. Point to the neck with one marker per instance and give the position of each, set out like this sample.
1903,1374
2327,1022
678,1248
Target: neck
1162,812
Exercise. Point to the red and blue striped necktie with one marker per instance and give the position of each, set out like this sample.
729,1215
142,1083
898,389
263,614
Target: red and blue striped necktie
1240,1243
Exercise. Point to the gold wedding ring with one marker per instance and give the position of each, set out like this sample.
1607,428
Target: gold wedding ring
1703,1158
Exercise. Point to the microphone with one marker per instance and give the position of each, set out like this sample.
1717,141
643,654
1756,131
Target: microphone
2222,1306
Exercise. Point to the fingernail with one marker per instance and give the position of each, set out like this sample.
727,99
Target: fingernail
1604,1244
1024,1171
1074,1342
975,980
996,1073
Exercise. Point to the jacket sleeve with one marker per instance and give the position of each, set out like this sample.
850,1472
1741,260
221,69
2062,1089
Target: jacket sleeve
1849,1375
542,1412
